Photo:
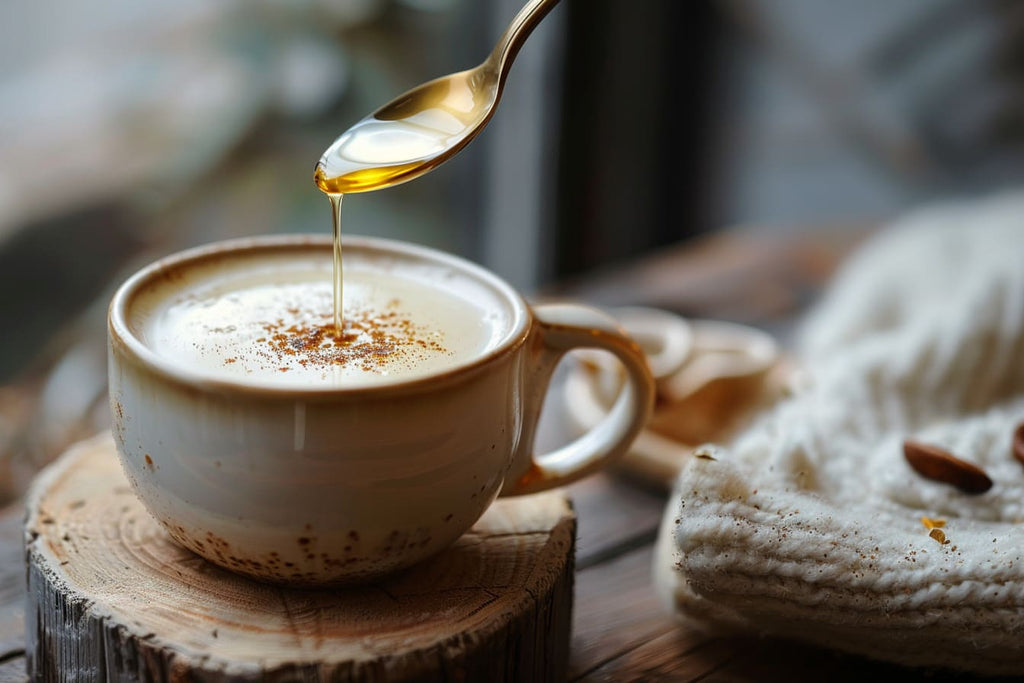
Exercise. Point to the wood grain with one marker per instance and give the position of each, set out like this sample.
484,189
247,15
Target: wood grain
616,612
111,595
677,655
614,517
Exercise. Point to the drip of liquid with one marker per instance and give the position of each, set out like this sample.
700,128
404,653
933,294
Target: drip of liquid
338,282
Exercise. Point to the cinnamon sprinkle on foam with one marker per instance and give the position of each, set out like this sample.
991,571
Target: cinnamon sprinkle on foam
370,341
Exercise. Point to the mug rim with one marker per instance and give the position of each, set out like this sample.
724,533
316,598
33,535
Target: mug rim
120,333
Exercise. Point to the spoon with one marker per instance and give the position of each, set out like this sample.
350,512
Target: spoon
428,125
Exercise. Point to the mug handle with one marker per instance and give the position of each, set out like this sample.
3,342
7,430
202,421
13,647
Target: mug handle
558,328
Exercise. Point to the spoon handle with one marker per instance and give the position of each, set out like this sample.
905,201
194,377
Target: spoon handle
516,34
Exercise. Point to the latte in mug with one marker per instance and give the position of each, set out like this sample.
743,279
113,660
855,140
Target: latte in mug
272,446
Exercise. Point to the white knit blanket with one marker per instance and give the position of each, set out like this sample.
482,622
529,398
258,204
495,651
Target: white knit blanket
809,524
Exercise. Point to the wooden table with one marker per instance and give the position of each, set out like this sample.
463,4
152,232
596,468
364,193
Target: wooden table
621,630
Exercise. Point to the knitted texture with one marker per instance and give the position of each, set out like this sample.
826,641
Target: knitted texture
809,524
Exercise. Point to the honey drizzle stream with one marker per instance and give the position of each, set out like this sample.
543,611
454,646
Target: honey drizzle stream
335,199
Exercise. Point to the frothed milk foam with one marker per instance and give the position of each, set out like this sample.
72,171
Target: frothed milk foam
266,319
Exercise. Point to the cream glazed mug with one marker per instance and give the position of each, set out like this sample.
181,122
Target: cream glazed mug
383,476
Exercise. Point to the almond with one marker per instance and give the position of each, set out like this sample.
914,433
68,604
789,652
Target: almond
939,465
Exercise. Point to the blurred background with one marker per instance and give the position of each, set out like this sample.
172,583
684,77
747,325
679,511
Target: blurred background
706,157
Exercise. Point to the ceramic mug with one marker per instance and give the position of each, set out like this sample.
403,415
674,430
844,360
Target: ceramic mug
383,476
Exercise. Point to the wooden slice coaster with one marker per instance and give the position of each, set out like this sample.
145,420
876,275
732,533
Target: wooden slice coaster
111,597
